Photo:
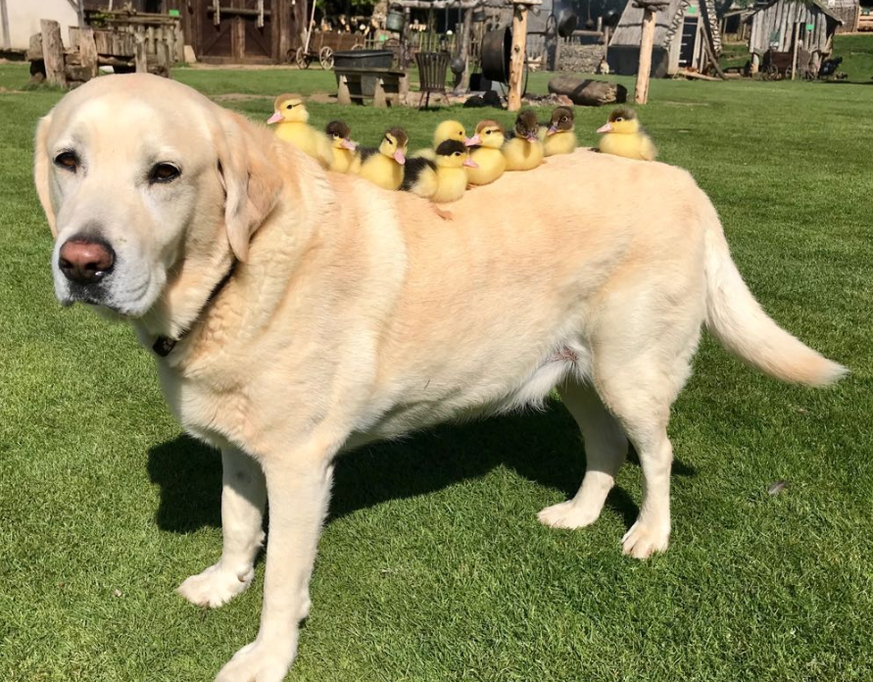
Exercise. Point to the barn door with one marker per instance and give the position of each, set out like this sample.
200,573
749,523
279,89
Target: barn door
236,36
689,42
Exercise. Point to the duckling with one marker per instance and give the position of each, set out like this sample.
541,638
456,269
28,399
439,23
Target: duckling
346,158
524,151
559,137
624,136
443,180
291,117
384,166
489,137
447,130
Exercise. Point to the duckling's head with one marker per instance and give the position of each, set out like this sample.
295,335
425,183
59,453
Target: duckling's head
289,108
489,134
561,121
450,130
623,121
527,126
454,154
339,132
393,144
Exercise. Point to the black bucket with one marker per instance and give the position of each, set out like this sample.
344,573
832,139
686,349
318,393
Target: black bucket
495,54
495,57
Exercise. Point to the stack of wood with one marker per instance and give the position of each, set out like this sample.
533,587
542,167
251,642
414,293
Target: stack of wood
90,48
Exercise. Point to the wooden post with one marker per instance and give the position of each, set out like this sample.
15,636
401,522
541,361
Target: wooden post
517,53
794,51
647,41
464,49
53,52
88,51
141,56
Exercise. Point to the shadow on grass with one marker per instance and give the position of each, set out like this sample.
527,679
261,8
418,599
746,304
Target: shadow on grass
544,447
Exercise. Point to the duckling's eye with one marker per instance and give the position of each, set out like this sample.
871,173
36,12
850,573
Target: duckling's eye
69,161
289,106
456,154
488,132
163,173
564,118
618,120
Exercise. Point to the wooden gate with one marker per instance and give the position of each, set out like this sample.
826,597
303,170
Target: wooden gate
237,31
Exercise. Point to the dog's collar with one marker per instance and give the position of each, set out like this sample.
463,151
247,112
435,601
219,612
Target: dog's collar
164,345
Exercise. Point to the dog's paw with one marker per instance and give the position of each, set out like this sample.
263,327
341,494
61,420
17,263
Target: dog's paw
644,539
569,514
215,586
258,662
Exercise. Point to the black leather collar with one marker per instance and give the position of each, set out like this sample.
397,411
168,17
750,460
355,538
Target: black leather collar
164,345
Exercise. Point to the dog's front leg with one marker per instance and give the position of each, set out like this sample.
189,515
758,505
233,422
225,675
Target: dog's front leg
243,495
299,491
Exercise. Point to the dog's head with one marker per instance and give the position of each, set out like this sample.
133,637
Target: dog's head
137,175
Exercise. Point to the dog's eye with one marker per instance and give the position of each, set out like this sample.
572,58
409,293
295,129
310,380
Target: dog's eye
164,172
68,161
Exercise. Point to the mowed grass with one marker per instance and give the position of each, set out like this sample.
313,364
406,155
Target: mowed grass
432,564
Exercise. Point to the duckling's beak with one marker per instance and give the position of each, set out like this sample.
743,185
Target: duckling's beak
552,130
473,141
606,128
469,163
399,157
532,137
275,118
346,143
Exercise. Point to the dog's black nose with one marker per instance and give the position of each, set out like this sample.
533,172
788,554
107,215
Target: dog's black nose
86,261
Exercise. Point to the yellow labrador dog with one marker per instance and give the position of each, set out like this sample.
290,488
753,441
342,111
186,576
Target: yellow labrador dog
295,314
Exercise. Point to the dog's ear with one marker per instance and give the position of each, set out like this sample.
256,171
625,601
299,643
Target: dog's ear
41,171
252,183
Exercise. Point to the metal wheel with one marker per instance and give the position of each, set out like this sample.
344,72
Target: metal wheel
301,58
771,72
325,57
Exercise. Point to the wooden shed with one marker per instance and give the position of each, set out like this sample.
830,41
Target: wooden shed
687,36
240,31
776,25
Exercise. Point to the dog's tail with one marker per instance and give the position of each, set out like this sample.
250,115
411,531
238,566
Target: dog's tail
744,329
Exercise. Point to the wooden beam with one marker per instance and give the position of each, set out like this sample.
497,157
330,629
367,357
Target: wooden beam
517,53
441,4
53,52
647,41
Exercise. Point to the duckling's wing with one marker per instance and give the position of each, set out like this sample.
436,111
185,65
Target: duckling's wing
367,152
424,154
413,169
648,150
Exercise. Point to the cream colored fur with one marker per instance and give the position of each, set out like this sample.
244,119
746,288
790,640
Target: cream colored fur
356,314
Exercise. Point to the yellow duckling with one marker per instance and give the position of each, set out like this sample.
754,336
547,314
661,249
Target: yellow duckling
346,158
559,137
443,180
447,130
524,151
291,118
384,166
491,163
624,136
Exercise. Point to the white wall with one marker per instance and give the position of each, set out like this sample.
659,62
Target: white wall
24,16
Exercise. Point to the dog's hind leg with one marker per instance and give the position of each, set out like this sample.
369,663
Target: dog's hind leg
605,452
243,495
638,381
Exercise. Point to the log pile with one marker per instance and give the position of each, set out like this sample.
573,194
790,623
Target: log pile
89,49
587,92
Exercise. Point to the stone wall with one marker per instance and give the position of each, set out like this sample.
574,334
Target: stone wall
580,58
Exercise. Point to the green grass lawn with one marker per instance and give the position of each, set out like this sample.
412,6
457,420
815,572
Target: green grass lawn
432,564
